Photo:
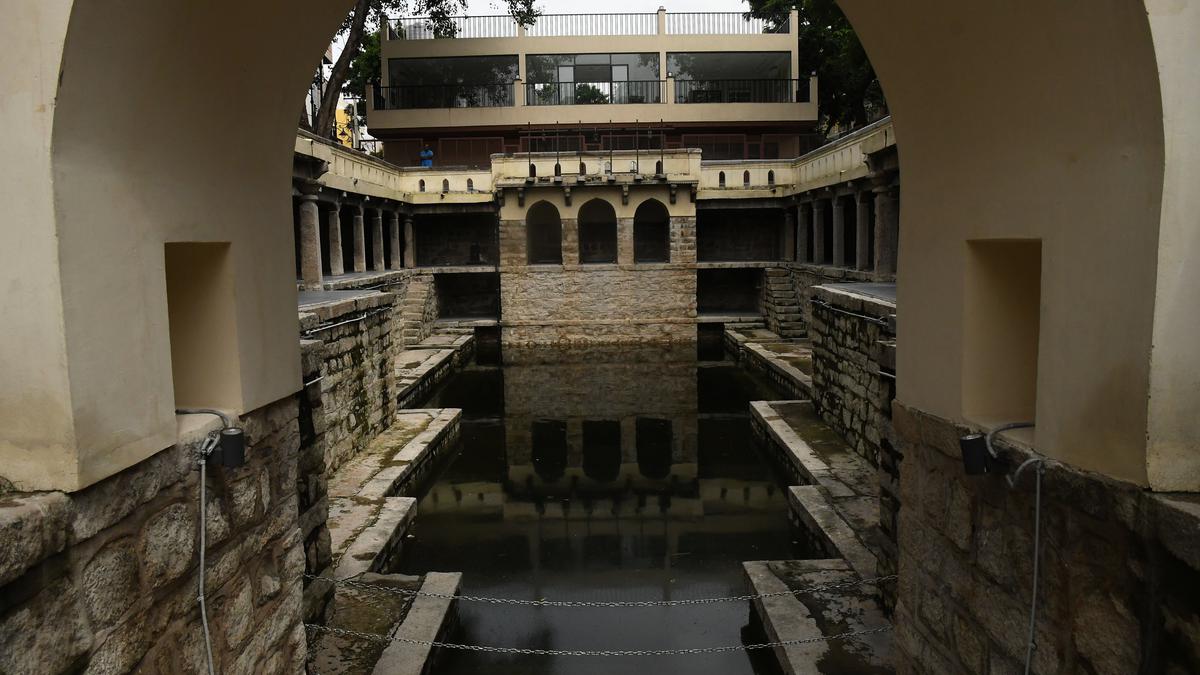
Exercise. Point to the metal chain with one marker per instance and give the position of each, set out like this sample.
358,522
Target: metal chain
375,637
597,603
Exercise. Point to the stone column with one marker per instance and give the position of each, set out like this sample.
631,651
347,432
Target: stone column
333,229
818,225
310,239
862,240
410,242
683,239
839,230
360,240
802,253
625,241
887,228
393,220
377,239
789,233
570,235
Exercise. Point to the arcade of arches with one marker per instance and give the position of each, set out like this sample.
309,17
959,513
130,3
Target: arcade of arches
1045,274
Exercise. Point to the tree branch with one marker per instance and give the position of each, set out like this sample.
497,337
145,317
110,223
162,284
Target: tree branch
327,113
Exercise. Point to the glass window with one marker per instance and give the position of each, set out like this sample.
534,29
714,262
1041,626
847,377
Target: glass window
730,65
453,70
553,68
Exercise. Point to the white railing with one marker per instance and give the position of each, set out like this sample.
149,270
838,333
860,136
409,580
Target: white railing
719,23
419,28
566,25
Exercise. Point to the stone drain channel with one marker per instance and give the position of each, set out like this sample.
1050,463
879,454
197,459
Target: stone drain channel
540,480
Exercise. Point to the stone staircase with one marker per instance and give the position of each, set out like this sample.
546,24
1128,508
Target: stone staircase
416,314
781,305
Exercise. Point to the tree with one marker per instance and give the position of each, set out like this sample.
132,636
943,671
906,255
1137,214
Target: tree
850,94
365,19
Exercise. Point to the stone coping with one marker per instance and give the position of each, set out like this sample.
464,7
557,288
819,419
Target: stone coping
358,280
364,533
840,502
788,362
844,296
427,619
388,461
366,611
834,273
820,613
313,316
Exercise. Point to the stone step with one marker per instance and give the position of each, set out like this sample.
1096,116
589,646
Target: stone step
428,618
366,535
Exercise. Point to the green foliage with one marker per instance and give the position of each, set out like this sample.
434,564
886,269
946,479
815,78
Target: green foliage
586,94
850,95
364,67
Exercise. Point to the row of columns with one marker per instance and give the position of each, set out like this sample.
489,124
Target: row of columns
400,243
884,228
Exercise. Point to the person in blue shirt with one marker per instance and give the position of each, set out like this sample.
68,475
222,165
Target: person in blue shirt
427,156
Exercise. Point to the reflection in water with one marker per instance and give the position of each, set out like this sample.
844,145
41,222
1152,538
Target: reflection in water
612,474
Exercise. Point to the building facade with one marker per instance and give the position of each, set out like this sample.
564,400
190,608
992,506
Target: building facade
715,81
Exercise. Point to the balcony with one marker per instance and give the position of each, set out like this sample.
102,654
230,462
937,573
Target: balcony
417,97
742,91
580,25
591,93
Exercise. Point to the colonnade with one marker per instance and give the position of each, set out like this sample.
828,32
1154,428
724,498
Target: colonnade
855,225
377,241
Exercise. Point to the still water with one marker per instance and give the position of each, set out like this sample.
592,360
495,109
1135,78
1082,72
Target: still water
603,474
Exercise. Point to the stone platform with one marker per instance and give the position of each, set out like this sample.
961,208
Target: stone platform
817,614
788,363
421,367
837,503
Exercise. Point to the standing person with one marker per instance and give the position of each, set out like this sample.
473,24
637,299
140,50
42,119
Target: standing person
427,157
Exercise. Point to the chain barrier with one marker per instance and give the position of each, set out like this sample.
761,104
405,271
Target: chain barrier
597,603
375,637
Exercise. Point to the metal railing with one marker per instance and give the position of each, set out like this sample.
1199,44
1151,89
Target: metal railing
409,97
741,91
578,25
421,28
720,23
565,25
591,93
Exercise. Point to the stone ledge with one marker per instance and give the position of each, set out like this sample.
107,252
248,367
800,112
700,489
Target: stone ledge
815,508
816,614
426,620
33,527
367,535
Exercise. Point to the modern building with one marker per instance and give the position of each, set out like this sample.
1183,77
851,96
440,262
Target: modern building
719,82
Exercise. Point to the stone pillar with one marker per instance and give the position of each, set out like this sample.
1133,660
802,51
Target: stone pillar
862,239
624,241
377,239
683,239
839,230
789,233
570,235
360,240
393,220
410,242
310,240
818,225
887,228
333,230
802,252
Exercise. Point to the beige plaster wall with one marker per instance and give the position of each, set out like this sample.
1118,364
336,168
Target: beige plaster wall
1061,140
142,143
1173,457
36,430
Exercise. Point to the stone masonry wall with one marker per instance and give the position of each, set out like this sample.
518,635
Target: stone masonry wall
104,580
605,303
853,384
848,390
807,276
358,388
1120,576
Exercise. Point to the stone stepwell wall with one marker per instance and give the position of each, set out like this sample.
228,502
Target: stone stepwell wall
853,384
602,303
358,387
104,580
1120,575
